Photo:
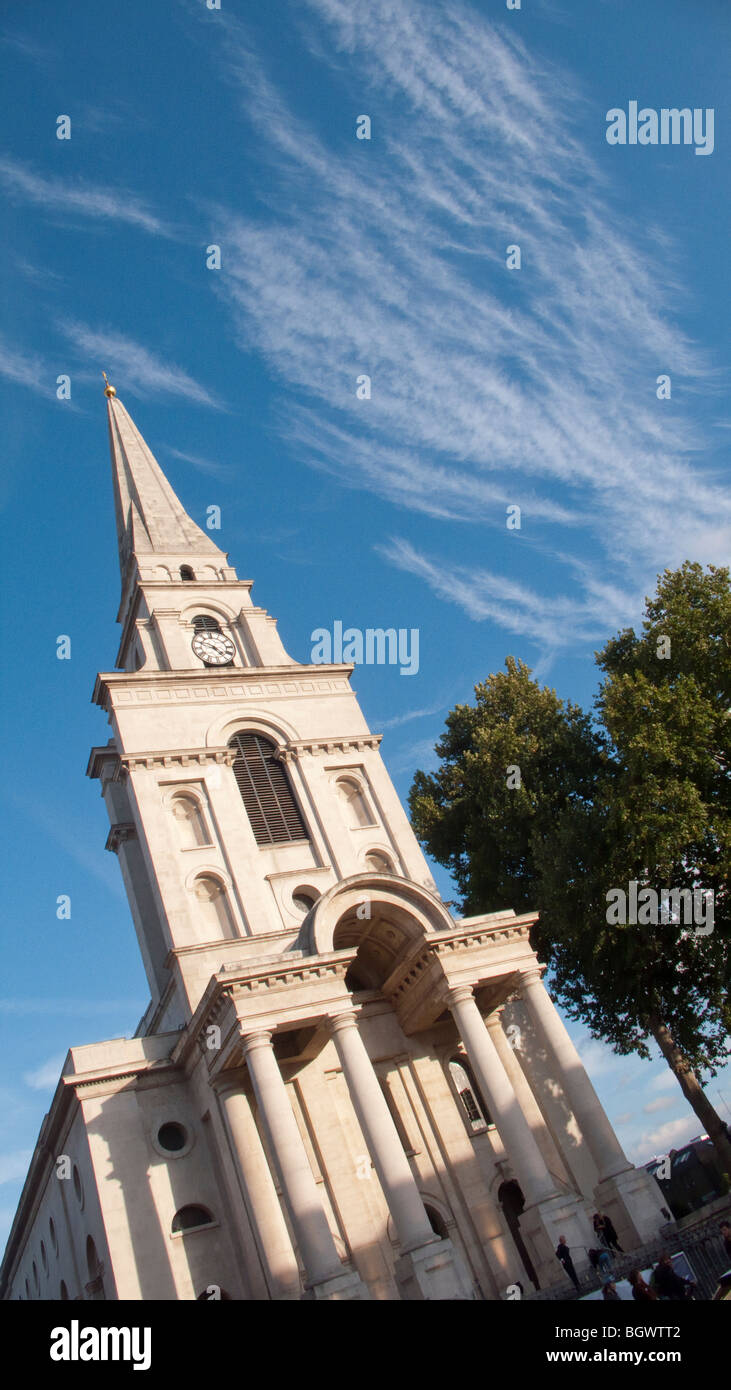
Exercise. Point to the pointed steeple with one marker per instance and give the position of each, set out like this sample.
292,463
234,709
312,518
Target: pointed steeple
151,520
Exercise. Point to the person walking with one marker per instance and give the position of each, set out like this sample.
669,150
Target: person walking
610,1235
610,1291
726,1237
563,1254
641,1290
670,1285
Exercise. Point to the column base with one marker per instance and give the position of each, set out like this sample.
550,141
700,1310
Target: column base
345,1287
634,1203
542,1225
433,1273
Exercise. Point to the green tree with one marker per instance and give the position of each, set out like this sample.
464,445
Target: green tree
640,794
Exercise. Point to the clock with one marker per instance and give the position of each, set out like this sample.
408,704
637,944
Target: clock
214,648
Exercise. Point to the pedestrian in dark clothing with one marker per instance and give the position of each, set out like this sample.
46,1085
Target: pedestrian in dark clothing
641,1291
564,1255
726,1236
610,1235
599,1227
669,1284
610,1291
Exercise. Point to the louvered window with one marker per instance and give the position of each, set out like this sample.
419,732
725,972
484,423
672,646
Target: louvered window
202,623
265,791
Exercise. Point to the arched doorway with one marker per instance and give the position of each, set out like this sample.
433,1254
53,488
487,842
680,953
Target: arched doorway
512,1202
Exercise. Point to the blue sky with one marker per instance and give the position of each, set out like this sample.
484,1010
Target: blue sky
490,388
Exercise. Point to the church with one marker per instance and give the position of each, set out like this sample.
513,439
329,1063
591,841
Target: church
338,1089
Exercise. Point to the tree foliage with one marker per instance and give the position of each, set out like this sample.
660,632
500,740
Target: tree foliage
641,792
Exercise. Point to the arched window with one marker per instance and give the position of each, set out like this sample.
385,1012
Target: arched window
63,1292
44,1257
52,1233
476,1111
266,792
202,622
27,1289
357,811
436,1221
190,1218
186,573
191,824
379,863
213,905
36,1280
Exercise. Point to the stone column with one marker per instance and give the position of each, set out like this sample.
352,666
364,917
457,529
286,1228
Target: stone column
428,1268
323,1268
527,1100
512,1126
379,1131
627,1194
601,1140
270,1229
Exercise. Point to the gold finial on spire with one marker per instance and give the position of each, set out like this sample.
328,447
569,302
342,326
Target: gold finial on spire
108,390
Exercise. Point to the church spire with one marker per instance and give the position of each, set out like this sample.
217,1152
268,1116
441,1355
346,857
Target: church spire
151,520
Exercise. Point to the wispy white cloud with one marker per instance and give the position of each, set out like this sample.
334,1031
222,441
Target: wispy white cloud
133,368
25,370
46,1076
552,622
14,1165
77,198
659,1103
489,386
672,1135
207,466
410,715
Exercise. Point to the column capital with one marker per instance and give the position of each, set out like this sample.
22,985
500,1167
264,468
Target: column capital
459,994
228,1083
494,1019
337,1023
533,976
251,1042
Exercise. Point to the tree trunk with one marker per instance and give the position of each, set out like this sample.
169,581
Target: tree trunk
696,1097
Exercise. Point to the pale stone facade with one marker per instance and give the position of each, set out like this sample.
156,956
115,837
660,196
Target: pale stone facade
338,1090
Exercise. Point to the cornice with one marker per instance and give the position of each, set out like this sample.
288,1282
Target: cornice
225,683
357,743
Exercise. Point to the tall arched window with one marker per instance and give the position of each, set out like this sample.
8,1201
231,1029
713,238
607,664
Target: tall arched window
63,1291
191,825
186,573
476,1111
266,791
357,811
213,906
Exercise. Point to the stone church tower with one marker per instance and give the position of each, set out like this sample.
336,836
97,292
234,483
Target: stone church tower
338,1091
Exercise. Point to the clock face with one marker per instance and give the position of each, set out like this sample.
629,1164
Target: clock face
214,648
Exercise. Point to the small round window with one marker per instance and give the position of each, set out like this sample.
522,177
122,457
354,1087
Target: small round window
171,1137
303,899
